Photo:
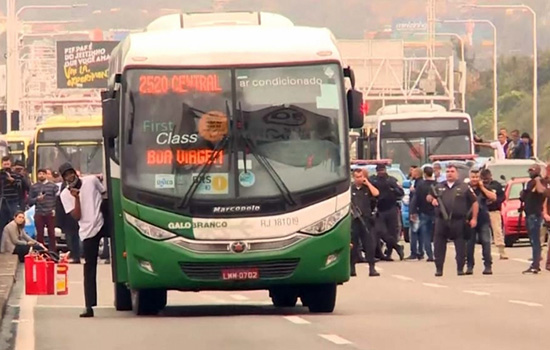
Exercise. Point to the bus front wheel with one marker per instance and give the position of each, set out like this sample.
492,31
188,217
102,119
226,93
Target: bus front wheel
284,297
148,301
123,297
319,298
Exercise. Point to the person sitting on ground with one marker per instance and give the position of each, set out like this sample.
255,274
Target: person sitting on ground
15,240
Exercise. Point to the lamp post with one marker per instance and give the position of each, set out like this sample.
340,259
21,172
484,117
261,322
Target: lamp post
535,61
12,31
495,66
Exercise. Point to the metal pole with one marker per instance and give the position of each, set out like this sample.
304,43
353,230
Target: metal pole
535,86
495,84
11,62
535,63
495,67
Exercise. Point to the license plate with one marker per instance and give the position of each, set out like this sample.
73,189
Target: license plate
240,274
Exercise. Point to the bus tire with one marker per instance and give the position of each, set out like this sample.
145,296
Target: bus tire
283,297
123,297
148,301
320,298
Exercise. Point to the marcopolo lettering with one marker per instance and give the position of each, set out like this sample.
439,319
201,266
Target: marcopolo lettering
168,138
237,209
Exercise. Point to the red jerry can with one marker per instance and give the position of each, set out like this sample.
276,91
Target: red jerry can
50,277
36,282
61,278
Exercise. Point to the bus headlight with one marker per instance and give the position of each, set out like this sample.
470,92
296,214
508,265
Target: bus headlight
327,223
148,230
512,214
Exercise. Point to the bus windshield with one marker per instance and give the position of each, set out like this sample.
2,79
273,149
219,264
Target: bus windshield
281,123
412,142
88,159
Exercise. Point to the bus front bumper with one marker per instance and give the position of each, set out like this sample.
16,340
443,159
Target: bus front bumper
166,265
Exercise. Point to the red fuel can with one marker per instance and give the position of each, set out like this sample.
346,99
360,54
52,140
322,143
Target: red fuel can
36,279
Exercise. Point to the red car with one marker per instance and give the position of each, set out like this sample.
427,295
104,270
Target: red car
513,222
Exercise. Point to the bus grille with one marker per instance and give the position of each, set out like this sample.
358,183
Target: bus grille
213,271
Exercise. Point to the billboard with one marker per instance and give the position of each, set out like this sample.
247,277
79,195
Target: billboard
83,64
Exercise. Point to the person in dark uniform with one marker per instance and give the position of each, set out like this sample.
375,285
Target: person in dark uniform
387,215
423,212
483,228
533,196
453,201
362,192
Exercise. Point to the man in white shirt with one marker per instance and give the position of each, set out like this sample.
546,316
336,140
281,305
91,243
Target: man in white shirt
498,146
82,199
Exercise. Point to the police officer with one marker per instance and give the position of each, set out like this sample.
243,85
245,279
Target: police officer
484,194
362,193
387,215
454,201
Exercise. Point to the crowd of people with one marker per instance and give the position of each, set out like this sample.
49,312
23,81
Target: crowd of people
61,199
442,209
515,146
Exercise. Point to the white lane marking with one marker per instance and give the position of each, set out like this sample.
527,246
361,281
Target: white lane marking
335,339
522,260
239,297
434,285
296,320
25,330
475,292
403,278
526,303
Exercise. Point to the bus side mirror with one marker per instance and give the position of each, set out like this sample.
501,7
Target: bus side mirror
111,118
355,100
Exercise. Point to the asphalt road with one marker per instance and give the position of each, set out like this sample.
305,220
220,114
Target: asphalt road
406,308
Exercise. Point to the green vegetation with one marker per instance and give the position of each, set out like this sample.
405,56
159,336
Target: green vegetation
515,77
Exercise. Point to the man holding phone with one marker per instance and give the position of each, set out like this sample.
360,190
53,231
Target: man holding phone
82,198
43,195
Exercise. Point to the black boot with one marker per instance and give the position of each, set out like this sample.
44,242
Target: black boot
438,272
353,273
372,271
89,312
487,270
470,270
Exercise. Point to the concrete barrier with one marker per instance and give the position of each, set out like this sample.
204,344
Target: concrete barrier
8,271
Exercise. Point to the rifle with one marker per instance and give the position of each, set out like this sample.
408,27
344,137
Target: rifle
521,206
356,213
442,208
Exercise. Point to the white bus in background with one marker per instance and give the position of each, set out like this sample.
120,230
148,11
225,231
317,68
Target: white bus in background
410,134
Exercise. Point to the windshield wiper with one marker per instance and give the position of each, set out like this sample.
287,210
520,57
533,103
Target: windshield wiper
287,195
205,168
132,119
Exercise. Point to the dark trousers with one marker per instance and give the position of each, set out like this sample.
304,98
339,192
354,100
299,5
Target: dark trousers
426,233
73,243
91,251
445,230
361,235
21,250
534,222
484,233
48,221
386,227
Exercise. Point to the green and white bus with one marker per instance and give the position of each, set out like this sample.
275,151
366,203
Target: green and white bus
229,164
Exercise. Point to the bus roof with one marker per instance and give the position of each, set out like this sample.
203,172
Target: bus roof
19,135
225,46
423,115
201,19
408,108
59,121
